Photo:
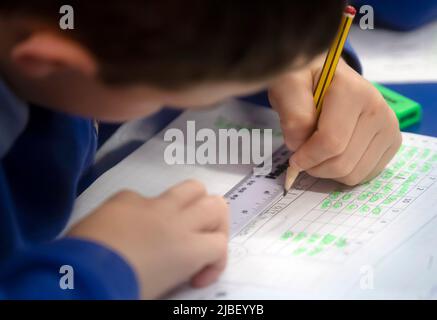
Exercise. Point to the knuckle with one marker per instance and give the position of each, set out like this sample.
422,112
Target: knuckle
351,180
196,185
293,144
374,110
300,121
307,121
302,159
219,203
213,204
331,143
341,168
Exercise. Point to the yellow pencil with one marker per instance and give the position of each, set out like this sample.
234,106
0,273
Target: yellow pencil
328,72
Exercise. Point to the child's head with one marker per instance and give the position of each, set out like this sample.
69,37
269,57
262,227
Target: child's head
127,58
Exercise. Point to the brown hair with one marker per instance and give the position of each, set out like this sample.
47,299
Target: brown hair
173,43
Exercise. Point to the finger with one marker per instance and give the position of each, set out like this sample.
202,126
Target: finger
372,161
335,128
295,108
208,275
386,158
208,214
213,247
183,194
344,164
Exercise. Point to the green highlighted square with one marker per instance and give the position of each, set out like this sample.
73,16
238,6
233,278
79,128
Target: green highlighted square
328,239
388,188
334,195
299,251
410,153
399,164
364,209
299,236
390,200
403,190
413,177
387,174
287,235
315,251
425,153
412,166
337,205
351,207
341,243
376,211
347,196
375,197
313,238
376,185
426,167
326,204
364,195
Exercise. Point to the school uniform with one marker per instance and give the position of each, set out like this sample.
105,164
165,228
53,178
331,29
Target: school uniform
43,155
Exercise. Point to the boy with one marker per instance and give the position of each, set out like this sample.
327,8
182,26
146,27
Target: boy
127,60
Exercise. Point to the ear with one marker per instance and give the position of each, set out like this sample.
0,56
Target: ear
45,53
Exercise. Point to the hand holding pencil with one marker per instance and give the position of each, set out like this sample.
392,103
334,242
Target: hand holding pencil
355,135
328,72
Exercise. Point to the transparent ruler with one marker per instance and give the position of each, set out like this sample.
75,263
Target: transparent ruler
259,194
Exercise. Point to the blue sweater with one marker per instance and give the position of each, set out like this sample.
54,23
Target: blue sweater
43,155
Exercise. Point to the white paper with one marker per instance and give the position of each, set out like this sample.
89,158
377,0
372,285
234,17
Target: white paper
318,246
146,172
393,57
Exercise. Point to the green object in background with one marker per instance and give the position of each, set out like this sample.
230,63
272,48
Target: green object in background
407,111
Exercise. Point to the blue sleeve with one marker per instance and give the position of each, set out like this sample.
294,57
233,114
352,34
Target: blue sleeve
401,15
98,273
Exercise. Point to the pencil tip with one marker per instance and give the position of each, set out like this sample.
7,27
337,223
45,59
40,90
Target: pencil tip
285,192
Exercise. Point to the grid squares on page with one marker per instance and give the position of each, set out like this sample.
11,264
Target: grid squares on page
347,218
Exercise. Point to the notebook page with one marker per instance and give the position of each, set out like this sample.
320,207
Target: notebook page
319,244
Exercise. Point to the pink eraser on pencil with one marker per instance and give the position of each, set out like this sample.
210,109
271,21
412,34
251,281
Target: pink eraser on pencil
350,10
